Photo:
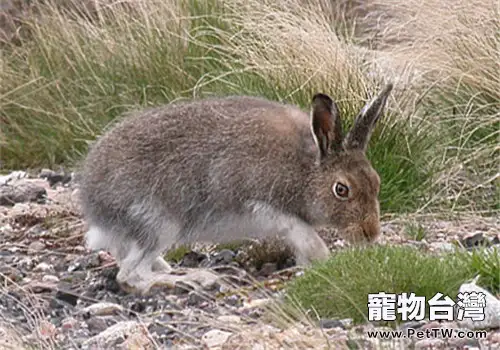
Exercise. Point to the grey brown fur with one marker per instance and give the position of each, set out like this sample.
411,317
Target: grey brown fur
228,168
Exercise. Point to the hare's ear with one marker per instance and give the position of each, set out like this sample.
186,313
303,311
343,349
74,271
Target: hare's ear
359,136
325,124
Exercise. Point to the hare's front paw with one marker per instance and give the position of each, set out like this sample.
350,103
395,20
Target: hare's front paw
308,244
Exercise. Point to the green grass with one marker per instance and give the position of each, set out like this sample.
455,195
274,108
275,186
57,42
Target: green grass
339,288
415,231
486,263
177,254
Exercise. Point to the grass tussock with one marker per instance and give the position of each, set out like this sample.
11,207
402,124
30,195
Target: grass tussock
452,49
339,288
79,67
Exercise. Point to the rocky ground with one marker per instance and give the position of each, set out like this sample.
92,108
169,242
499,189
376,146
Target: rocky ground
55,293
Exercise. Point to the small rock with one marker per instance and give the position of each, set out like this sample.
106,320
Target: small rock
258,346
15,175
136,340
224,257
192,259
206,279
229,319
255,303
85,262
115,334
496,239
328,323
50,279
36,246
215,338
233,300
430,343
462,343
442,246
96,324
68,297
22,192
103,309
43,267
45,173
431,325
46,329
159,330
494,338
40,287
268,268
195,298
475,240
27,263
491,310
105,257
53,177
69,323
412,324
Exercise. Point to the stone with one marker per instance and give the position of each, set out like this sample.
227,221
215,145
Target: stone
40,287
475,240
430,343
21,192
255,303
223,257
97,324
69,323
215,338
137,340
412,324
192,259
46,330
50,279
206,279
115,334
195,298
462,343
15,175
229,319
442,246
36,246
431,325
67,297
102,309
45,173
267,269
43,267
491,311
328,323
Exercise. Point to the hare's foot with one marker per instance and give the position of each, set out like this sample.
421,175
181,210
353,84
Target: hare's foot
140,268
139,272
193,280
308,244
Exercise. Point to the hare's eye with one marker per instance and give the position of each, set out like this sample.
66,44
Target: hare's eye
341,191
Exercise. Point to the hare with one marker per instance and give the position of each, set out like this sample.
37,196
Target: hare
227,168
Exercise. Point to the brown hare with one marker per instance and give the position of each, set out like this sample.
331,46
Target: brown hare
228,168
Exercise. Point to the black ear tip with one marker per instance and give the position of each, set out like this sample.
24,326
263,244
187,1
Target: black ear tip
388,88
322,98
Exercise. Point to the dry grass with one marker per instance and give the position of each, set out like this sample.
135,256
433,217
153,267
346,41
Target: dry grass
455,47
